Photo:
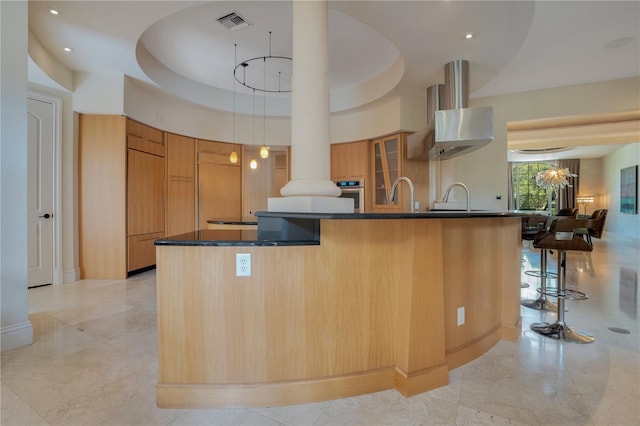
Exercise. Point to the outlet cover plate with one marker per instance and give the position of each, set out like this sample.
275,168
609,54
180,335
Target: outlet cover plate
243,264
461,315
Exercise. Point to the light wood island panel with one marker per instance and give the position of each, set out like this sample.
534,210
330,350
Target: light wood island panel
370,308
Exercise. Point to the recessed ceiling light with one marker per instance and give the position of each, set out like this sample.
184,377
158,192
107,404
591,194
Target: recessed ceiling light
54,12
468,35
68,49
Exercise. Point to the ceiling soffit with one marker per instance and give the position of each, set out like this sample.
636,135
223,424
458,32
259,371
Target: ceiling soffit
581,130
190,55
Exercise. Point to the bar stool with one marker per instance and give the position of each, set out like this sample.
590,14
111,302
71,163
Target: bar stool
563,240
541,303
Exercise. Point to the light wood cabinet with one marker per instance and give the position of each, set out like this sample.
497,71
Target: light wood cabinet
102,170
263,182
181,184
145,193
350,160
388,163
121,189
219,182
141,251
281,172
144,138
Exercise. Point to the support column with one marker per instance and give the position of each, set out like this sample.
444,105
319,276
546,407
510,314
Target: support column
310,188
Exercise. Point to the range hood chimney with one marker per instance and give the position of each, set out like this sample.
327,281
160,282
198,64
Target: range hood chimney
452,128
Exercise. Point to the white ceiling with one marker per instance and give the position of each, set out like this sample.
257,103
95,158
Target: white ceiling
377,48
517,45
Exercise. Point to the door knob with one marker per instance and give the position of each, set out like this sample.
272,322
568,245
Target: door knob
46,215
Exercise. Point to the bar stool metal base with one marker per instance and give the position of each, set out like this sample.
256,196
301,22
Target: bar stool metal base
539,304
561,331
542,274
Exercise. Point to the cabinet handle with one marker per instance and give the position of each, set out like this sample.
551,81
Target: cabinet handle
46,215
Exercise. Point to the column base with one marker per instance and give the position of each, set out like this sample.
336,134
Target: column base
310,204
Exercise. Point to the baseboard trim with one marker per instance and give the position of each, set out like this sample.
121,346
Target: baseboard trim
170,395
511,332
16,335
472,350
71,275
421,381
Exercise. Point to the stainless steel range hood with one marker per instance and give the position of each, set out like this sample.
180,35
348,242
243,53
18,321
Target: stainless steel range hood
452,129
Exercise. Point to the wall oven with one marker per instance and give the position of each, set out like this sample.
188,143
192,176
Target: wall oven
354,189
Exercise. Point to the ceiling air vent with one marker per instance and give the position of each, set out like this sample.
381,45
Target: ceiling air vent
233,22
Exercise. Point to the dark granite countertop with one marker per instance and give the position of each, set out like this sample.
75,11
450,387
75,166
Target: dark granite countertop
297,229
432,214
251,220
209,237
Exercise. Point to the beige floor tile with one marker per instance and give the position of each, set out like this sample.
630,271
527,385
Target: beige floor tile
94,362
471,417
14,411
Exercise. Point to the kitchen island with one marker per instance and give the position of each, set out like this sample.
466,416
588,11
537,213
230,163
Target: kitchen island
336,305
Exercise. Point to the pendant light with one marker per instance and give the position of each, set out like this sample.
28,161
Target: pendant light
264,151
277,63
254,164
233,157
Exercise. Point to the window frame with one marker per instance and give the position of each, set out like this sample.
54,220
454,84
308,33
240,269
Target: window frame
516,178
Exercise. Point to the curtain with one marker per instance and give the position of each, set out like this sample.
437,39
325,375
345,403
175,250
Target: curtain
511,201
567,196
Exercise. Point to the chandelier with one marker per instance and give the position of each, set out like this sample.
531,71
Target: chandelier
251,71
554,178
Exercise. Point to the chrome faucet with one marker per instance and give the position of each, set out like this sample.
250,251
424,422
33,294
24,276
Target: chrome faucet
466,190
395,186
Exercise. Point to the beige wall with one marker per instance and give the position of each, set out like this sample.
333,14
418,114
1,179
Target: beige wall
592,182
485,170
15,328
150,106
98,93
625,225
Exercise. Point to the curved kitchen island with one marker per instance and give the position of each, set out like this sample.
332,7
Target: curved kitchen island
337,305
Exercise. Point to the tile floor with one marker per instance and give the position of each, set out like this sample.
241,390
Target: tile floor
93,362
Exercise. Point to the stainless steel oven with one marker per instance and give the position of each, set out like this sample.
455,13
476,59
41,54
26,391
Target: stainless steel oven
353,188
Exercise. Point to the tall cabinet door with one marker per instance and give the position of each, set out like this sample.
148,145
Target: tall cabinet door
387,167
181,184
219,188
145,207
145,193
102,200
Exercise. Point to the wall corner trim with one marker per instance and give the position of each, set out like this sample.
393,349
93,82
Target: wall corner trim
71,275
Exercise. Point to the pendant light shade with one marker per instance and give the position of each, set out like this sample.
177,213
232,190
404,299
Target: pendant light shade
253,164
264,151
233,157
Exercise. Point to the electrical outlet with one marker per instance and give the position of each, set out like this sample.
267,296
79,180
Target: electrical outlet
461,315
243,264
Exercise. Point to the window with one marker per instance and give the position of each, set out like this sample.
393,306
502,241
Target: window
526,193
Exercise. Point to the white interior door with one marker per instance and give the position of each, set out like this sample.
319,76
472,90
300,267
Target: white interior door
40,190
